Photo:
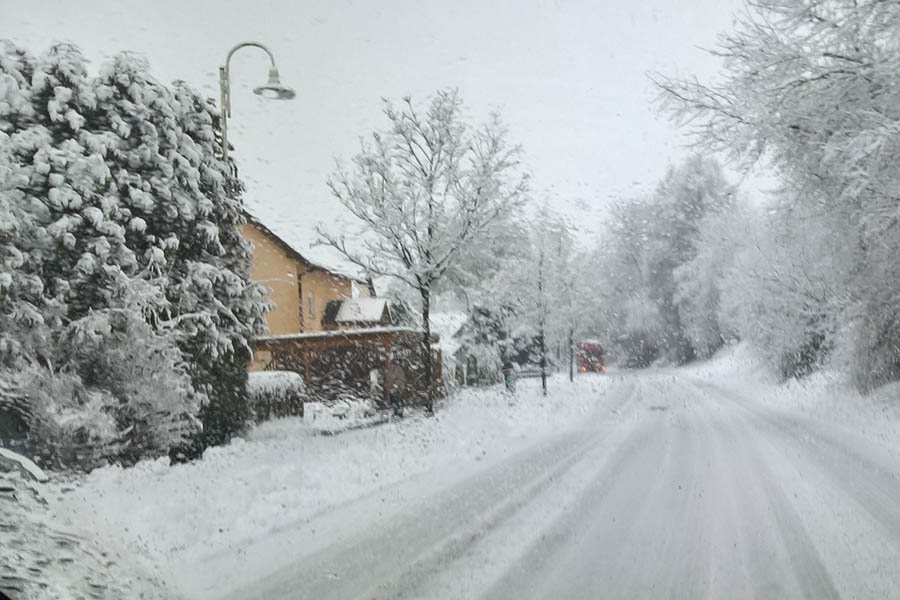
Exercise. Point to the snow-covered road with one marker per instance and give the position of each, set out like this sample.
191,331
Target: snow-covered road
678,486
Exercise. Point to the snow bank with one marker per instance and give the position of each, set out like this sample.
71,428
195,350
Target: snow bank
283,473
737,361
340,416
24,464
41,559
274,381
826,395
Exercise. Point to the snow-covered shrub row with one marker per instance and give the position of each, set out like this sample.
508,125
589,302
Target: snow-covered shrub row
125,300
275,394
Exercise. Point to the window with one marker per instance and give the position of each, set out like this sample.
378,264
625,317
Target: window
312,305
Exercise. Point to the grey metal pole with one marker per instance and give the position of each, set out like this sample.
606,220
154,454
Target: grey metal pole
225,88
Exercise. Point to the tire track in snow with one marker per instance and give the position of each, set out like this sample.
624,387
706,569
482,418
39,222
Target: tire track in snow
846,495
618,540
390,557
865,472
695,516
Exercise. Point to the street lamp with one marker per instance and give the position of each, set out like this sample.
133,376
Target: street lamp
272,89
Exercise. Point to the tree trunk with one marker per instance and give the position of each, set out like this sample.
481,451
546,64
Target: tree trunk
542,313
426,349
542,341
571,355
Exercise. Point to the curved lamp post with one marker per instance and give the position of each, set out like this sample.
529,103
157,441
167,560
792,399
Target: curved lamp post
272,89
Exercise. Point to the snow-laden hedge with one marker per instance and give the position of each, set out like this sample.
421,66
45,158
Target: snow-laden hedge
275,394
125,294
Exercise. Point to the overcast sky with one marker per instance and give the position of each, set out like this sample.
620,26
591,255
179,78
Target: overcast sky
570,79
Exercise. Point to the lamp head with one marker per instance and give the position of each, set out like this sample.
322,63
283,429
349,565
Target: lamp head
273,89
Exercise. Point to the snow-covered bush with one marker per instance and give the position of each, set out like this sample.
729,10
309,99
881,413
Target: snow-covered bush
275,394
483,341
111,184
71,425
120,393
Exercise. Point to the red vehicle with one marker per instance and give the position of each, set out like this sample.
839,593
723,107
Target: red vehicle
589,357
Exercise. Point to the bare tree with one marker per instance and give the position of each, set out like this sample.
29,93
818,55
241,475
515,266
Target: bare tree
543,287
423,189
809,86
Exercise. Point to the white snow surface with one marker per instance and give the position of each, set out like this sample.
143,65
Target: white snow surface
786,489
24,464
340,416
270,381
283,474
825,395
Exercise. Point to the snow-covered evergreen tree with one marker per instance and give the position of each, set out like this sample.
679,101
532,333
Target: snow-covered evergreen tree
114,187
181,208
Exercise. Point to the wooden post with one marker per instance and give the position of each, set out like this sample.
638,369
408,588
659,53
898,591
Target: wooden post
439,371
307,360
384,379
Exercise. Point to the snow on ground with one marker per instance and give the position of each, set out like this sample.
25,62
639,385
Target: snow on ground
238,510
282,473
704,482
825,395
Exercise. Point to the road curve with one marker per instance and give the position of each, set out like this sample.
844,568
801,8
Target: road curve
688,489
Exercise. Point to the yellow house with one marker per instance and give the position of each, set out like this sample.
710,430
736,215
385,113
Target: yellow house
299,289
329,327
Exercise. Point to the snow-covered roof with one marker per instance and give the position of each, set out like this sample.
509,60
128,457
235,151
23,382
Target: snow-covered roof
273,381
302,242
337,333
447,325
356,310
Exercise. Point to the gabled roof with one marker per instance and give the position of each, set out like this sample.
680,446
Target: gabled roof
293,253
363,310
357,311
448,326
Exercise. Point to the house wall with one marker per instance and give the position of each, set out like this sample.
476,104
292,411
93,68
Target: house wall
323,287
362,291
290,281
274,268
